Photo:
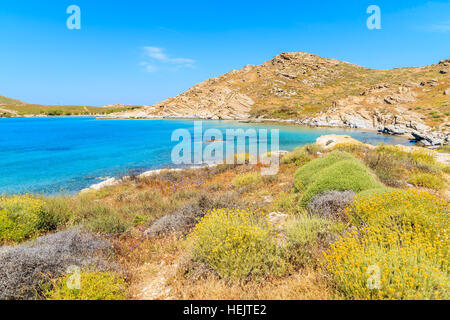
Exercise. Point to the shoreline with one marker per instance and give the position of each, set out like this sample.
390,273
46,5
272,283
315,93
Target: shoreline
421,139
430,139
110,182
262,121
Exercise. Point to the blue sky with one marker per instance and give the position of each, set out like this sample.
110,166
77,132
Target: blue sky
141,52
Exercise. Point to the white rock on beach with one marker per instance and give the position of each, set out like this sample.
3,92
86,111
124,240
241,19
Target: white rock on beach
329,141
107,183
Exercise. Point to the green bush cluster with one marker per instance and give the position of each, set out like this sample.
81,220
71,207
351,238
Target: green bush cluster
338,171
309,172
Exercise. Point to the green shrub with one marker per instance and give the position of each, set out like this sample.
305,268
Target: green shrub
238,245
390,169
109,223
427,180
373,192
304,236
93,286
287,202
59,211
246,180
341,176
300,156
22,217
308,173
95,215
424,157
396,151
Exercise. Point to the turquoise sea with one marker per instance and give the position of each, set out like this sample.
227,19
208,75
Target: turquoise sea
66,154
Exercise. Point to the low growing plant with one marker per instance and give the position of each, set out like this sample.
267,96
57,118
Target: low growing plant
93,286
246,180
21,217
306,236
427,180
309,172
342,176
301,155
238,245
398,249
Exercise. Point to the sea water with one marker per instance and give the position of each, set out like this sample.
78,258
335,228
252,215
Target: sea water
66,154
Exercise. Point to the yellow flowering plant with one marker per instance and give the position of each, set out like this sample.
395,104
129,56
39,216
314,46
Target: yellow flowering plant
238,245
93,286
20,217
398,250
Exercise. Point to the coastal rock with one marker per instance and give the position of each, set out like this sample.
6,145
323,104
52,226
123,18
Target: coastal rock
107,183
329,141
429,139
393,130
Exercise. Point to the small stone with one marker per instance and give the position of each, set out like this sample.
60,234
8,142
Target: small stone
277,218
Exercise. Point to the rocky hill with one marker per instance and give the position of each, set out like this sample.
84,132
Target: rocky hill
308,89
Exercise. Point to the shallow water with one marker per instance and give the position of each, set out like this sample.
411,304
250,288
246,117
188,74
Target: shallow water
66,154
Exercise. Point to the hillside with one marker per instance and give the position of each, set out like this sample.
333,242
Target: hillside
9,101
15,108
312,90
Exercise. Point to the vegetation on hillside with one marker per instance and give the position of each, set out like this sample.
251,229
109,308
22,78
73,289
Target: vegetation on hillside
353,222
13,108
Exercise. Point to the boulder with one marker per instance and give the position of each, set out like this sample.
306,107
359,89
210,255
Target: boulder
420,127
428,139
393,130
445,63
431,83
277,219
329,141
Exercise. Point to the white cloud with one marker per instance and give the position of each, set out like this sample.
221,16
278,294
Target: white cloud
148,67
159,59
440,27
